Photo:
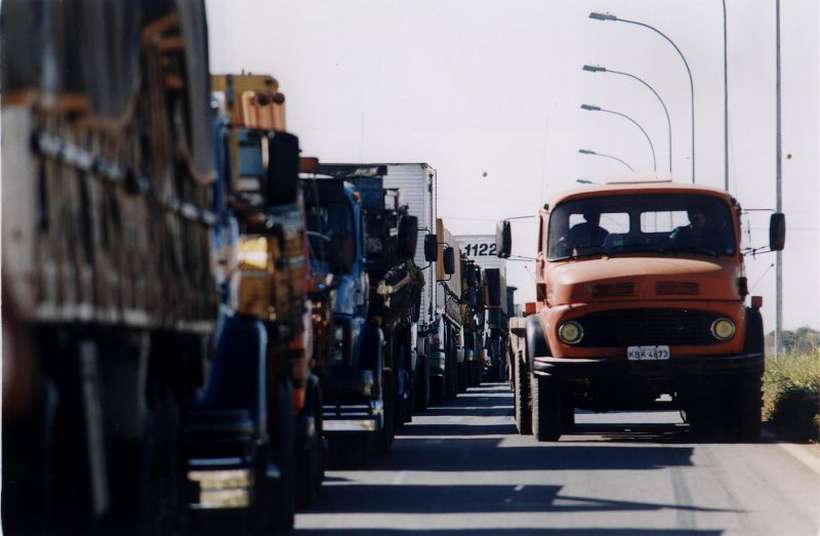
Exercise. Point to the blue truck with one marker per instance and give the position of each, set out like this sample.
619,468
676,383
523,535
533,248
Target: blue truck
362,244
499,307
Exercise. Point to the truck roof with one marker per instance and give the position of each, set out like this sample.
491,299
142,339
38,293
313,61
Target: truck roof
639,187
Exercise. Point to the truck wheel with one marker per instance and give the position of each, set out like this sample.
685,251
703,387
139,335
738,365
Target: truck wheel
521,400
389,407
309,472
405,385
744,417
744,392
285,504
438,390
547,406
422,383
161,497
451,372
462,376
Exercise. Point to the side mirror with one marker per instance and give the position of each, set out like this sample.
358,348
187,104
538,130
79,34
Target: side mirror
492,276
472,280
449,260
430,247
408,236
283,169
343,253
777,231
503,239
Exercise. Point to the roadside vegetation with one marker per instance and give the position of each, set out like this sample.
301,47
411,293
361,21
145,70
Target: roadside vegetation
791,394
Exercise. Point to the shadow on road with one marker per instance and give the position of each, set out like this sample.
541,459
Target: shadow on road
486,455
469,411
480,437
451,429
456,499
514,532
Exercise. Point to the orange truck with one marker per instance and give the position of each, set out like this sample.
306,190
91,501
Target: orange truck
640,292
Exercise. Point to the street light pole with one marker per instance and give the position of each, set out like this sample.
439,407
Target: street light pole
593,153
598,68
609,17
778,330
725,107
591,108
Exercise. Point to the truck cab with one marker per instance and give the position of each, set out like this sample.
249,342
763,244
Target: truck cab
473,314
352,402
446,333
641,292
364,242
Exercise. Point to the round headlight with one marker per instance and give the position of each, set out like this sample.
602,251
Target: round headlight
570,332
723,329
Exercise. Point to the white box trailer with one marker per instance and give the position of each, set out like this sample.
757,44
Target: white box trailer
417,189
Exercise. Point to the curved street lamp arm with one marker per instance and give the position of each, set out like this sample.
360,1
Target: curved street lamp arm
616,158
663,104
688,71
648,139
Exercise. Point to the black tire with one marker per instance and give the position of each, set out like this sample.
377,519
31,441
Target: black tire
463,380
387,432
547,407
422,383
405,392
161,495
521,398
748,396
450,368
284,496
743,409
438,390
309,458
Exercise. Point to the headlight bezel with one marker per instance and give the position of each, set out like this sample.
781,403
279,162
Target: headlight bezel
570,324
723,321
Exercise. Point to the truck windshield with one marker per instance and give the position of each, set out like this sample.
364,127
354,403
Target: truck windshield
646,223
328,227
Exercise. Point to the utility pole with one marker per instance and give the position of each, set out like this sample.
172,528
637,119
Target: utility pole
725,106
778,329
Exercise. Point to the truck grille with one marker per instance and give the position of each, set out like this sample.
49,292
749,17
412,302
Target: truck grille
680,288
630,327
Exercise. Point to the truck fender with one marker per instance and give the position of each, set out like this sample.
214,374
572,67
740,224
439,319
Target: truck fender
536,339
754,337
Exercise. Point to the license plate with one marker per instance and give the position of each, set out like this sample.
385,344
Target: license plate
647,353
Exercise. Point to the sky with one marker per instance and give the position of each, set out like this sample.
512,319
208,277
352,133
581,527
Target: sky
474,87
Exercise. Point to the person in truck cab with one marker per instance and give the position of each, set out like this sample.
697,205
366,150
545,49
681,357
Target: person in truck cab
702,232
586,235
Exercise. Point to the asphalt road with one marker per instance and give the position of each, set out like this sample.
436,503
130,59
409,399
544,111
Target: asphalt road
461,469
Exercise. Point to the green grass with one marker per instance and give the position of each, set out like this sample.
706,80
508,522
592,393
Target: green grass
791,394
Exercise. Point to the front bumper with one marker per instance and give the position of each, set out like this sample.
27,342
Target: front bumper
353,417
676,367
438,363
351,425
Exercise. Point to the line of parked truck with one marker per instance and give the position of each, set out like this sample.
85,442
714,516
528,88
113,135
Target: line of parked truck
194,314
